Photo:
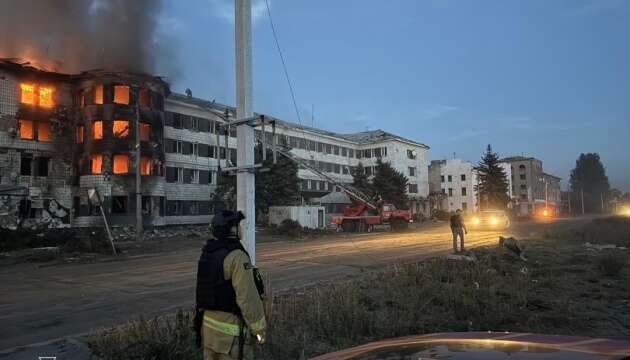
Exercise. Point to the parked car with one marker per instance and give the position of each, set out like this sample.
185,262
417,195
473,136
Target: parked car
489,220
486,345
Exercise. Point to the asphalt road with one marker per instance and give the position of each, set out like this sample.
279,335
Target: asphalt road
38,304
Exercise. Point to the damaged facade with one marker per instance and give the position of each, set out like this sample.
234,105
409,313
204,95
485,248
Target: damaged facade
62,135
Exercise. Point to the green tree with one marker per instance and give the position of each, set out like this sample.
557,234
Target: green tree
493,182
589,176
360,179
390,184
276,186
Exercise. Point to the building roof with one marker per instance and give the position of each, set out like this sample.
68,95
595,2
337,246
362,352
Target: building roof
335,197
517,158
552,176
365,137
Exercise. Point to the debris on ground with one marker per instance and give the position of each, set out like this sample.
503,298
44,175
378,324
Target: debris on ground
600,247
514,246
471,258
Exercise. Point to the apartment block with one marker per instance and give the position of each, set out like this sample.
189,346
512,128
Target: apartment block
534,190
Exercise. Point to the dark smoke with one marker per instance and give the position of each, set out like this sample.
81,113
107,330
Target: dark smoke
75,35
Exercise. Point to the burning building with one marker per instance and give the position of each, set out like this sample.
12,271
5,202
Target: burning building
61,135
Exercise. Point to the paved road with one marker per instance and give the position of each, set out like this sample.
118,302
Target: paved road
44,303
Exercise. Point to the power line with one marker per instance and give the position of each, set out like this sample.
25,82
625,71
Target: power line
284,65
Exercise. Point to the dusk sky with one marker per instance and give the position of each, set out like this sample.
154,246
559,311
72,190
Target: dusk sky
545,78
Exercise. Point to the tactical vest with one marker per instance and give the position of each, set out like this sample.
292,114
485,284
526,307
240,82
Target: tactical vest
213,291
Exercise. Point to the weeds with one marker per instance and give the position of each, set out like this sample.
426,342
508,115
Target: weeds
611,264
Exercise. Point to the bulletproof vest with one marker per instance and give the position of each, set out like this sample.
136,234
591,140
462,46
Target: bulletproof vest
213,291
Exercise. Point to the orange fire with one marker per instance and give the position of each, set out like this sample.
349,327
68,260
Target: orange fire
26,130
97,164
97,129
80,134
145,165
98,94
121,94
121,164
121,128
46,97
28,93
43,131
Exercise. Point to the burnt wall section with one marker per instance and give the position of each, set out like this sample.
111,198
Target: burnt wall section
108,107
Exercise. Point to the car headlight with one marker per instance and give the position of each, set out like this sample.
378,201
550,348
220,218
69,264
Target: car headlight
493,221
476,221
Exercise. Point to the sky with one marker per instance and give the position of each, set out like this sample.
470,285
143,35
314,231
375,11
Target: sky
542,78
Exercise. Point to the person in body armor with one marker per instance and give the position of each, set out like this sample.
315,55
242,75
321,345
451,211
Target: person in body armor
229,312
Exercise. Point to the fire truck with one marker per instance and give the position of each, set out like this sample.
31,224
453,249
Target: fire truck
366,212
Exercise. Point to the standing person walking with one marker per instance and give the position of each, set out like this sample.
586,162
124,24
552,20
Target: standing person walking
458,228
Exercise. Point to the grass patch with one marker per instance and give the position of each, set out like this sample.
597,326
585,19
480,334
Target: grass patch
558,291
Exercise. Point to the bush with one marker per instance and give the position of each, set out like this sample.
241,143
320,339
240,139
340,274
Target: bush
159,338
290,228
611,264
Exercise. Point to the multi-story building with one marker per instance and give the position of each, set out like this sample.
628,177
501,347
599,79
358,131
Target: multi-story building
62,135
456,181
534,190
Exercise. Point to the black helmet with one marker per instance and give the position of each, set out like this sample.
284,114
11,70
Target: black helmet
225,224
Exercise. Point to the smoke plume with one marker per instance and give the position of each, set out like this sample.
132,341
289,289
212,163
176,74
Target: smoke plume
75,35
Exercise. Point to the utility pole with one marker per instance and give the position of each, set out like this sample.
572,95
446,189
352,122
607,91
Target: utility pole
138,178
582,195
245,178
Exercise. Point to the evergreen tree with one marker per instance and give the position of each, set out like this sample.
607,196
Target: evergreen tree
589,176
390,184
276,187
360,179
493,182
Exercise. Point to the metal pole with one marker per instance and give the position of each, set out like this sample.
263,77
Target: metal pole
582,195
245,181
138,178
546,198
109,233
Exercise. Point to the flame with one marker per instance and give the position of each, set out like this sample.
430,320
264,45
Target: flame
46,97
121,94
145,165
97,129
28,93
26,130
43,131
97,164
98,94
121,128
121,164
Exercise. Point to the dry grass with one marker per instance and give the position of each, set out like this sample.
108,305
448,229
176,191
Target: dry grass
558,291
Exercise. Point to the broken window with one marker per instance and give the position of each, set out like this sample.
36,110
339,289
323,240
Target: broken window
145,165
187,148
189,176
203,124
173,207
463,177
177,120
80,133
411,154
119,204
26,130
205,177
97,164
203,150
232,131
43,131
171,174
145,131
463,191
170,146
121,164
377,152
97,129
41,168
82,98
98,94
121,94
120,128
25,164
28,94
45,97
145,98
